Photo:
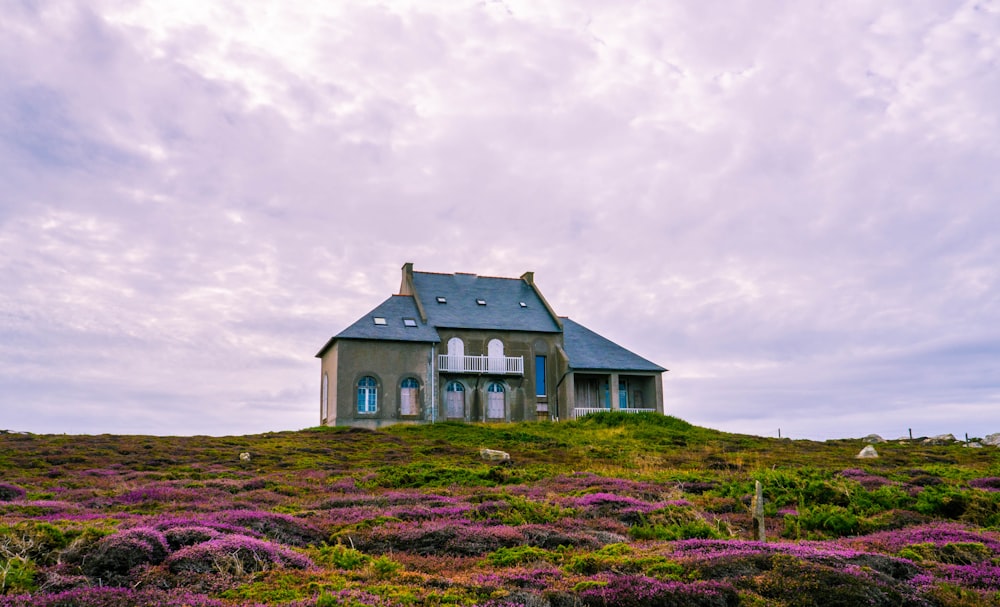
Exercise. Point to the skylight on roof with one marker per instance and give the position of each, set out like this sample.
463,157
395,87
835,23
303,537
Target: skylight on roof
524,305
379,320
442,299
481,302
409,322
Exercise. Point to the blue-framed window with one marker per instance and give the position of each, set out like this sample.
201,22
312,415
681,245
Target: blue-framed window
540,376
367,394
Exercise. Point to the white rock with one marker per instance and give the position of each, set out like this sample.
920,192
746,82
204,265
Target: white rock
244,457
873,439
974,445
492,455
940,439
992,440
867,453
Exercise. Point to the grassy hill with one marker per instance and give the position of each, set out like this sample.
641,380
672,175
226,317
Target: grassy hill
612,509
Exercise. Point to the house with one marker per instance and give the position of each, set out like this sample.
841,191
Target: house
475,348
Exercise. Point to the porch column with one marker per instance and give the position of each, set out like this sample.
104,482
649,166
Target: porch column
613,391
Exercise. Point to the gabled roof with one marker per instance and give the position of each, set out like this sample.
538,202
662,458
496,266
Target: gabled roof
509,304
393,310
589,351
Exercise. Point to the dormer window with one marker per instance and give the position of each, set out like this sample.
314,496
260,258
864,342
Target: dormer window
409,322
481,302
441,299
379,320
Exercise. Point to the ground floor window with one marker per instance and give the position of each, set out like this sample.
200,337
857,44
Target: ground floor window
325,398
408,390
367,395
495,401
455,400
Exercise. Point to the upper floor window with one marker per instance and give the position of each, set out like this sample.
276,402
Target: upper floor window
367,394
456,347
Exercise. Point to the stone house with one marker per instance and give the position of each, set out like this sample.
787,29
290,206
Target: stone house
475,348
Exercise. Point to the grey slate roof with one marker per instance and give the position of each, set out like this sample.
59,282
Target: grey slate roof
503,297
589,351
393,310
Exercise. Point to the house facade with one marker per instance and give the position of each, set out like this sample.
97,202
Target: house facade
475,348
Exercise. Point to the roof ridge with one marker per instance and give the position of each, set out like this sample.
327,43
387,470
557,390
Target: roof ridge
468,274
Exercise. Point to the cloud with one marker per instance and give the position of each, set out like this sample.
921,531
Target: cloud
790,205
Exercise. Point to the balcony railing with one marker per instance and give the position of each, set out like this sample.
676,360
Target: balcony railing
581,411
500,365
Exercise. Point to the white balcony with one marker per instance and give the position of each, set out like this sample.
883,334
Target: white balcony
499,365
581,411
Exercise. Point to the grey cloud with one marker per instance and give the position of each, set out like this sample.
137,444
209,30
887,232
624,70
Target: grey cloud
790,205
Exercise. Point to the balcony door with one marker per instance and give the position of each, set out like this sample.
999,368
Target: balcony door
494,356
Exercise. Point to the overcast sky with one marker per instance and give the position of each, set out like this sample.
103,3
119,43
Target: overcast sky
793,205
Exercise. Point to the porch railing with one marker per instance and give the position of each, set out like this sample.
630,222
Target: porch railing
501,365
581,411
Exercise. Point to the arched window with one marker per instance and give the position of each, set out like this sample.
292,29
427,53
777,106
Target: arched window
408,390
494,356
324,410
367,394
454,400
495,401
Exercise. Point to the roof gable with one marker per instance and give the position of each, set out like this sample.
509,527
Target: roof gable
588,350
468,301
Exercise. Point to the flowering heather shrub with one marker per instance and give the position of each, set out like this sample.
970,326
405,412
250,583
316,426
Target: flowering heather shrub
553,536
280,528
10,492
982,576
159,494
936,533
793,581
717,559
179,537
458,538
518,510
115,555
990,483
422,512
580,483
235,554
599,505
538,578
111,597
641,591
866,480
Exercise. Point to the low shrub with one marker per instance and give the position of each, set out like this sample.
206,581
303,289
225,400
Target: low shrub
235,555
942,500
793,581
641,591
341,557
276,527
17,575
114,556
520,555
822,521
9,493
179,537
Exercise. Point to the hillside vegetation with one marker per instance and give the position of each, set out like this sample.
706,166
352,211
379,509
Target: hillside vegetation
612,509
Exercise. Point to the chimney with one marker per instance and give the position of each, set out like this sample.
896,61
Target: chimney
406,285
